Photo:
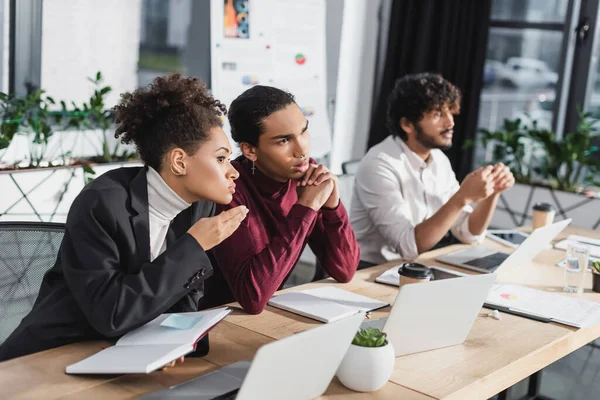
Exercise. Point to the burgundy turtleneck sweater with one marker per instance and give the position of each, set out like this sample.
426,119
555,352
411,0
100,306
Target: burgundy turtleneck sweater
259,256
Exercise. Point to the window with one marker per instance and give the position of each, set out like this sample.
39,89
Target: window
523,63
130,42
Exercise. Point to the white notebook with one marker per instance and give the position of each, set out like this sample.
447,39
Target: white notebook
325,304
558,308
152,346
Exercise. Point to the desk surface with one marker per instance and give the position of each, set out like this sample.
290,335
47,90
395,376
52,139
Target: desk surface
496,354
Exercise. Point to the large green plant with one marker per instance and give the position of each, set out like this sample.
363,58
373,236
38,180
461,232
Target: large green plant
370,337
565,164
572,161
36,114
509,147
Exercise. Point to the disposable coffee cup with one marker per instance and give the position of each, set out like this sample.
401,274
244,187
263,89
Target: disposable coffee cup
414,273
543,214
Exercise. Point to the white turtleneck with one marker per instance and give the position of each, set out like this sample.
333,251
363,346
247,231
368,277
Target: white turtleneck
163,206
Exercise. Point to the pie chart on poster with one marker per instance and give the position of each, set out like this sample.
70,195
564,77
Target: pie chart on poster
508,296
300,59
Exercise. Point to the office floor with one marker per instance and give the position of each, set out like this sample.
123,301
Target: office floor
574,377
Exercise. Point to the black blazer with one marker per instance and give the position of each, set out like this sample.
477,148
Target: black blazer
103,284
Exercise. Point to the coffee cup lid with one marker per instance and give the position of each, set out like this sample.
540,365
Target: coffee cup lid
414,270
543,207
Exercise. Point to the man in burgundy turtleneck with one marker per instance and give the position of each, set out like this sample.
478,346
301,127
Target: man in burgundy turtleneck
292,202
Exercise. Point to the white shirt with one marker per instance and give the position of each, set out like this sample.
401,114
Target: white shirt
394,191
163,206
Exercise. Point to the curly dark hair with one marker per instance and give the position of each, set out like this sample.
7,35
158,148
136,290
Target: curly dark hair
171,112
248,110
415,95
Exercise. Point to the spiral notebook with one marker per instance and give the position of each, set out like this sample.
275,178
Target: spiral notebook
325,304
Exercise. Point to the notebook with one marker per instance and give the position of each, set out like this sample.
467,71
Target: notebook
565,310
152,346
325,304
593,244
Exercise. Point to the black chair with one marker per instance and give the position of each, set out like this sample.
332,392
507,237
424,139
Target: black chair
350,167
27,251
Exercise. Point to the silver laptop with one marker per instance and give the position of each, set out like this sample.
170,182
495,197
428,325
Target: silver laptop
482,259
431,315
297,367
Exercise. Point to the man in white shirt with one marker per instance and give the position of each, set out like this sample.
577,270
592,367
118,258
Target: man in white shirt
406,197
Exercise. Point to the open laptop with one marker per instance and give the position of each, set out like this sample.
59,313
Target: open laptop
482,259
296,367
431,315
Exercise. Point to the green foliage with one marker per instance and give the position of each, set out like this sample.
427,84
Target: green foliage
565,164
596,267
568,163
514,139
31,115
39,115
370,337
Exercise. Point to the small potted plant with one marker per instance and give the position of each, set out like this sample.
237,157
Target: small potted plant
596,276
369,362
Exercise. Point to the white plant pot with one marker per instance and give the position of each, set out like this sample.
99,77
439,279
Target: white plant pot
366,369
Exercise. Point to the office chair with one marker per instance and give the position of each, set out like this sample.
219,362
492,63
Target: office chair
27,251
350,167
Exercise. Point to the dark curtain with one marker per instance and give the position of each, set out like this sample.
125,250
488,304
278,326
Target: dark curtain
448,37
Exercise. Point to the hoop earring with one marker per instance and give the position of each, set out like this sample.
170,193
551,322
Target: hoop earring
181,173
253,167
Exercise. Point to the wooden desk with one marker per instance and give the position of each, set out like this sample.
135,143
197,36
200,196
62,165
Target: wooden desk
496,354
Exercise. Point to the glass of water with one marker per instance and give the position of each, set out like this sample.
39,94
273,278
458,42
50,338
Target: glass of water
576,267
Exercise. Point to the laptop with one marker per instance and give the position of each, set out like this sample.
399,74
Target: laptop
296,367
482,259
436,314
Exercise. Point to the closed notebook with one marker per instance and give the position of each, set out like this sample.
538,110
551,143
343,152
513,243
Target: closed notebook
153,345
325,304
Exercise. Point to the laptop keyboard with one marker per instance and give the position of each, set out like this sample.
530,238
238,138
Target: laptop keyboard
488,262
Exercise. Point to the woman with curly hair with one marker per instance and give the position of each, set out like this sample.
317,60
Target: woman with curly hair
136,238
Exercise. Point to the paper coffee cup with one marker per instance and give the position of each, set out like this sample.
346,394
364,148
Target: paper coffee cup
413,273
543,215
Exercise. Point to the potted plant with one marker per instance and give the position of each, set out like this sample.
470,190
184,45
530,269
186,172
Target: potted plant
564,172
49,150
368,363
596,276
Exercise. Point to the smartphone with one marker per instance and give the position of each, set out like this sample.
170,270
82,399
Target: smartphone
440,273
509,238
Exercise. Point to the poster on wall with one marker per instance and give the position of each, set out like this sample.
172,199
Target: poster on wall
277,43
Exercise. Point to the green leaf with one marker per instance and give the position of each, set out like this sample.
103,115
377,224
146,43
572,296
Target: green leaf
88,169
4,142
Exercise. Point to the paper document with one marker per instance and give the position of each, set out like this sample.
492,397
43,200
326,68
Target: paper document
559,308
325,304
593,244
